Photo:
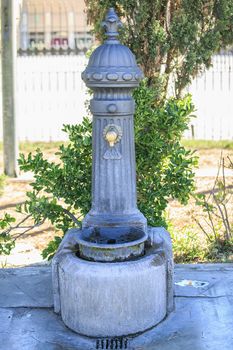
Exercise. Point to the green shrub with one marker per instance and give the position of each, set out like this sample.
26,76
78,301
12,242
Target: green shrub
61,192
6,241
173,41
164,167
187,246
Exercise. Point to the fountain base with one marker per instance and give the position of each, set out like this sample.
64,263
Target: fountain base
111,299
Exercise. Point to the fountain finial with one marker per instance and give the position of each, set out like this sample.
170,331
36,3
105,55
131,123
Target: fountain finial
111,24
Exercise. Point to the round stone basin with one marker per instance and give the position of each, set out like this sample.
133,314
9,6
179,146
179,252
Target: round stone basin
111,244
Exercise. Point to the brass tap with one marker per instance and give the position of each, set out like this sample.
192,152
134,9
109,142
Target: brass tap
112,133
111,137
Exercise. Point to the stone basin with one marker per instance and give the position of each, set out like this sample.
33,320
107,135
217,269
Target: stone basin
111,244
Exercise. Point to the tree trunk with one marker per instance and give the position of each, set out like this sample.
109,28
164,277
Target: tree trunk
8,32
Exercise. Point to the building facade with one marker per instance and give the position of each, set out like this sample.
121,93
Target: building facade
53,27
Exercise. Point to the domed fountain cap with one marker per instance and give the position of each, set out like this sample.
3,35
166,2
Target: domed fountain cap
112,64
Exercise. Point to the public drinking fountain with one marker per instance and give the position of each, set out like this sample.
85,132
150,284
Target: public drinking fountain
114,277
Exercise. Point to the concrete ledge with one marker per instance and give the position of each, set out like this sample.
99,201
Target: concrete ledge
26,287
203,317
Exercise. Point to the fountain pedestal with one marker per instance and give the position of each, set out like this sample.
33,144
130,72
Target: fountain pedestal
114,299
114,276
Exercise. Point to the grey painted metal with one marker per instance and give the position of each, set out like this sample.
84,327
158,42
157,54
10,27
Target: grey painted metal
112,73
8,31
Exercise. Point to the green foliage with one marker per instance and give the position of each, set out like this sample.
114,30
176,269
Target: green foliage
187,246
69,180
172,40
164,167
48,252
61,191
6,242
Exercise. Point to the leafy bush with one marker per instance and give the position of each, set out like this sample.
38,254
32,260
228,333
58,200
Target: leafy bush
164,167
187,245
6,241
191,247
61,192
174,40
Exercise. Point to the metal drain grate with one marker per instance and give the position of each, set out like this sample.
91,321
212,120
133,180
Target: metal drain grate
112,343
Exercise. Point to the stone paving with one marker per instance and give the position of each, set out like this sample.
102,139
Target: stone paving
203,319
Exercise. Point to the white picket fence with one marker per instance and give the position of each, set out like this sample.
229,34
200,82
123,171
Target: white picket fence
50,93
213,97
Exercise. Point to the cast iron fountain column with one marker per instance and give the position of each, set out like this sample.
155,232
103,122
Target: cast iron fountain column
112,73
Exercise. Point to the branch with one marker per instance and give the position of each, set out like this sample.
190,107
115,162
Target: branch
231,163
211,222
216,178
16,226
223,217
73,218
203,230
227,221
28,228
